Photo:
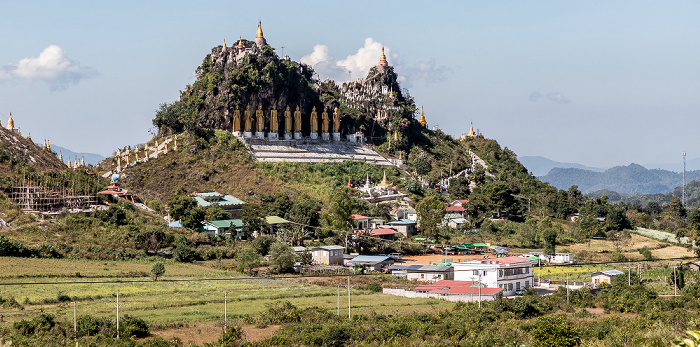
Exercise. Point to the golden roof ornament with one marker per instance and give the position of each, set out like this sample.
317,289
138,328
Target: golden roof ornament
240,42
60,156
421,120
82,161
224,44
10,123
259,34
69,164
384,182
48,145
29,136
471,132
383,57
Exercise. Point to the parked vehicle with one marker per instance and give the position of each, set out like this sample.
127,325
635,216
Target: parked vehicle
395,256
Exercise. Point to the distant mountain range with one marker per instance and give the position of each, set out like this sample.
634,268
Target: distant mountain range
90,158
631,179
540,166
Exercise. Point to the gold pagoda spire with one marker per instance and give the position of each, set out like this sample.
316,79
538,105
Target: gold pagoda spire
224,44
384,182
422,118
471,132
82,161
44,146
259,34
48,145
69,165
240,42
10,123
383,57
29,136
60,156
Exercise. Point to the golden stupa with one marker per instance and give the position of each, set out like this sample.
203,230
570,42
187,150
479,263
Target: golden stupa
421,120
384,182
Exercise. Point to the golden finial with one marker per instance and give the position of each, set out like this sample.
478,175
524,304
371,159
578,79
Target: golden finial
382,58
44,147
259,34
69,165
82,161
60,156
240,42
224,44
48,145
29,136
422,118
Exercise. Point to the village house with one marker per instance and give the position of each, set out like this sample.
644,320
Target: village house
407,214
406,227
605,276
372,262
460,288
328,255
557,258
510,273
384,233
227,227
427,273
228,203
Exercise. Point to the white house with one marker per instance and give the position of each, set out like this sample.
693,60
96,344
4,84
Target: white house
328,255
509,273
557,258
426,273
605,276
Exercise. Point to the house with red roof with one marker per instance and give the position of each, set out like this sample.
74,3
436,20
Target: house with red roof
508,273
384,233
460,288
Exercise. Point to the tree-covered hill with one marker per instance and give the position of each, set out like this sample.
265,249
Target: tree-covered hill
631,179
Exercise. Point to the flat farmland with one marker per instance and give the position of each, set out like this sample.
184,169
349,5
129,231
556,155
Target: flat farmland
192,297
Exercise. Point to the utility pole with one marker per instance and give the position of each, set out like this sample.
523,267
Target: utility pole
75,316
480,290
349,286
539,272
567,288
675,281
225,310
683,180
117,304
339,300
629,273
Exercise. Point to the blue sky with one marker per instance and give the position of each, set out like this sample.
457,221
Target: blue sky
601,83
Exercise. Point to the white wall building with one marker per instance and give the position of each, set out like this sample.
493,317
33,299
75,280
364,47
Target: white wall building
509,273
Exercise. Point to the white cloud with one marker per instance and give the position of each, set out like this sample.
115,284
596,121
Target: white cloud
356,66
51,66
558,98
554,97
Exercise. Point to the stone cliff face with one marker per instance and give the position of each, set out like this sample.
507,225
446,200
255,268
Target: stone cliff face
14,146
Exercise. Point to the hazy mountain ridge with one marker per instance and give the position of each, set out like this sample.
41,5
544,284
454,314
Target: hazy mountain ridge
90,158
540,166
630,179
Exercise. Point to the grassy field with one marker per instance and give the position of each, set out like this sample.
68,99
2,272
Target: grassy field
188,295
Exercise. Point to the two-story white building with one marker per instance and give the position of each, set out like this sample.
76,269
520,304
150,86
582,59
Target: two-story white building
509,273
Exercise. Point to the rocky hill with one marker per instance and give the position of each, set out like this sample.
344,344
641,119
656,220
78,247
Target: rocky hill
18,149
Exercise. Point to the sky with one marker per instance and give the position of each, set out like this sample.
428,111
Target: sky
601,83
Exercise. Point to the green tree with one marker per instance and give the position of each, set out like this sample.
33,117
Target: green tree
253,218
479,175
422,164
550,240
281,257
676,208
248,259
215,212
430,214
185,208
500,196
459,188
158,269
305,258
182,251
342,205
555,331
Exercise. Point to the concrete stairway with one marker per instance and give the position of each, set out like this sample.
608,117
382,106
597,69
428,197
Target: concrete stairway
310,151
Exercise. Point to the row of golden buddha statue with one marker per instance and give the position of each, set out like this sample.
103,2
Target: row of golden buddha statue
274,123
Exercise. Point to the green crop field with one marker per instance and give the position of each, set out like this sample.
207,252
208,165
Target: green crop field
187,295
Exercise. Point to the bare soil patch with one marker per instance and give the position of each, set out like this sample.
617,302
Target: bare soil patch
210,332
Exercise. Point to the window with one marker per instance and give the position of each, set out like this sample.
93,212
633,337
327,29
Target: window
527,270
510,286
500,273
475,273
422,275
527,284
500,286
517,285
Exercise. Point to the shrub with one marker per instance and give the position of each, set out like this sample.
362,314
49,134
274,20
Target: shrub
555,331
132,326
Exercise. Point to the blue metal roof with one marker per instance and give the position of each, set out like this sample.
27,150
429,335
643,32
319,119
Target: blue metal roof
372,259
609,272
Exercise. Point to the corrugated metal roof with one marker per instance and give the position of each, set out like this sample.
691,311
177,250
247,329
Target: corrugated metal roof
226,223
226,200
370,259
609,272
275,220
